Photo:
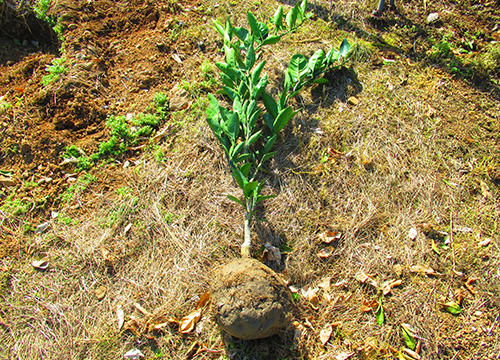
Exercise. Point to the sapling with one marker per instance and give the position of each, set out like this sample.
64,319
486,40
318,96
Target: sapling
247,131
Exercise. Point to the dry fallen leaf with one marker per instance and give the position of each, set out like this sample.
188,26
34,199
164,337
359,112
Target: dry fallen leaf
364,278
133,354
344,356
468,285
100,292
187,323
427,270
485,242
369,305
40,264
412,354
388,285
120,315
329,236
272,253
203,300
326,252
325,334
398,269
325,283
312,296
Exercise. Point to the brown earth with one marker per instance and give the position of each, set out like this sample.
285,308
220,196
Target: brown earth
250,300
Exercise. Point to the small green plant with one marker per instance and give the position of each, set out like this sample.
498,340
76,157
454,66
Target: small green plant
56,70
247,131
160,156
41,9
15,207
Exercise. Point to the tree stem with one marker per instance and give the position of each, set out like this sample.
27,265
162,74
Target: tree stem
247,244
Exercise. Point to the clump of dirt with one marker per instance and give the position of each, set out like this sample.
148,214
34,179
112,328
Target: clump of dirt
251,301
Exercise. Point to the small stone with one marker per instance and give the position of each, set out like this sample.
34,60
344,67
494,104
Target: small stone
353,101
432,18
100,292
179,99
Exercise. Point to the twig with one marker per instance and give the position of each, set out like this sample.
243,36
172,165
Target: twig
492,326
451,243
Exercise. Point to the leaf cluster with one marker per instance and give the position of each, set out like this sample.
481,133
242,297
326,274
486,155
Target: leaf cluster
248,129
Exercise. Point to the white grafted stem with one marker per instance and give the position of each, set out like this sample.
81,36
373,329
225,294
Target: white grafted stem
247,244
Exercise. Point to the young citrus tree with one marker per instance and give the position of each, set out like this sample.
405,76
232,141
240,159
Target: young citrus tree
248,129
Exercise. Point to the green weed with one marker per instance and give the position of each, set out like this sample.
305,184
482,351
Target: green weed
15,207
56,70
160,156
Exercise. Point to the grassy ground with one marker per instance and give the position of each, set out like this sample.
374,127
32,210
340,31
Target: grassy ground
399,152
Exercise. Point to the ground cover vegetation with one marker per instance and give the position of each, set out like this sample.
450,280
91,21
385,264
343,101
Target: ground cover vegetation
382,200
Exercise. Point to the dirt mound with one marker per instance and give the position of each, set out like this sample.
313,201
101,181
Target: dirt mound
251,301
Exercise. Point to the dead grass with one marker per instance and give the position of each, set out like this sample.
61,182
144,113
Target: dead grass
400,158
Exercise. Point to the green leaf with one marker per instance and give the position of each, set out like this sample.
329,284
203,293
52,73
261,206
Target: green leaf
232,127
282,119
331,57
303,7
268,120
316,63
254,138
253,118
226,80
226,69
213,109
243,90
320,81
277,19
271,40
250,58
254,25
260,87
235,150
268,156
408,336
257,71
231,197
298,63
249,188
435,248
244,157
241,33
264,30
220,29
270,104
262,197
344,48
379,314
228,29
291,17
245,169
452,307
230,56
240,178
270,143
285,249
230,92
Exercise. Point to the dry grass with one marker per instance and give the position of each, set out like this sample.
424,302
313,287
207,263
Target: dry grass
415,150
